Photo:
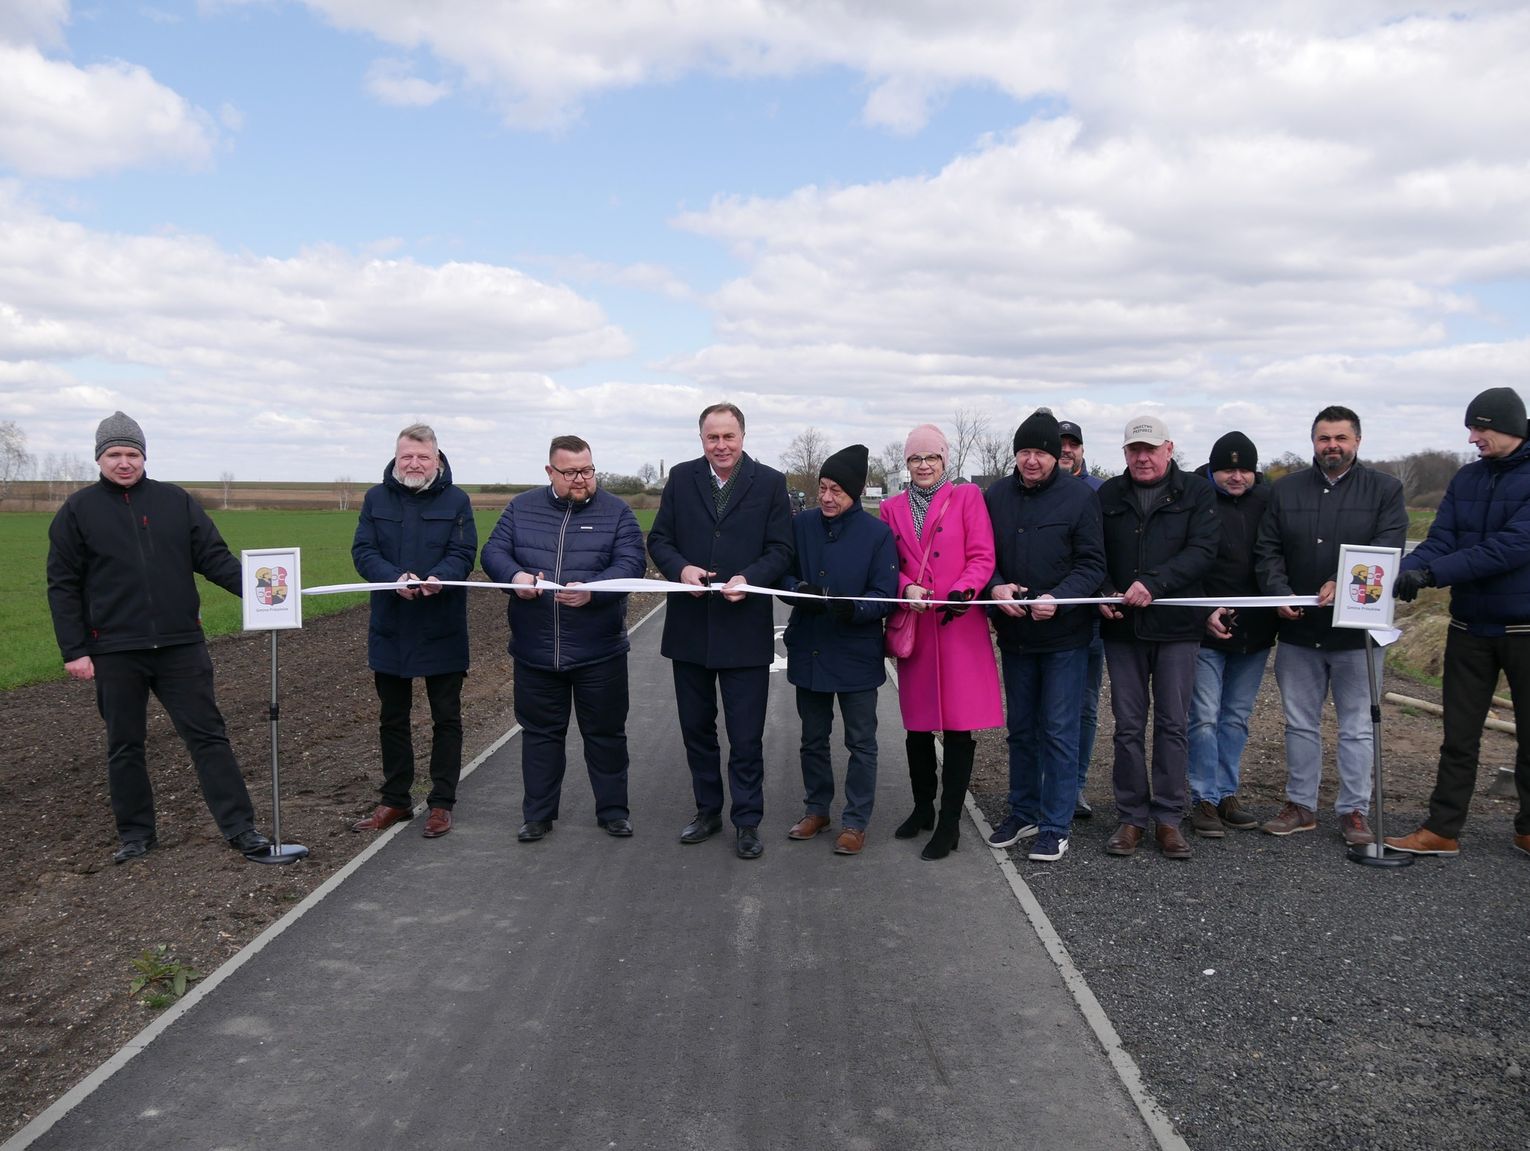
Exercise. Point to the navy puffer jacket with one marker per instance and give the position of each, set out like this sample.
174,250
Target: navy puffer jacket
430,533
566,542
1479,544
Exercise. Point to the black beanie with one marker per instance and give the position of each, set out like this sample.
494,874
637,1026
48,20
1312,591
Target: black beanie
119,431
1039,431
847,468
1500,409
1234,450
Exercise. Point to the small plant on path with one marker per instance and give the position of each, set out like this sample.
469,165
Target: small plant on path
161,976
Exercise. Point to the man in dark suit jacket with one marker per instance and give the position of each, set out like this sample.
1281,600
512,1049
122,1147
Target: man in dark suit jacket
722,517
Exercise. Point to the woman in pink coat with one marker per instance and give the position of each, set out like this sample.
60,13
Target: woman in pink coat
949,683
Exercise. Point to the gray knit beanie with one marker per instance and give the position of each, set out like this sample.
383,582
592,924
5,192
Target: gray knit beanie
119,431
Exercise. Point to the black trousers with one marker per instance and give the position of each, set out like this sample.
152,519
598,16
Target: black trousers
396,694
181,677
745,691
1472,664
598,695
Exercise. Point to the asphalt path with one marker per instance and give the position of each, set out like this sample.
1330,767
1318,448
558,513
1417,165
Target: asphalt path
589,992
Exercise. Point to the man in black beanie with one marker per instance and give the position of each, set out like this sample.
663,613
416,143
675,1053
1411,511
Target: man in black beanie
1479,547
1047,546
122,556
1234,649
834,643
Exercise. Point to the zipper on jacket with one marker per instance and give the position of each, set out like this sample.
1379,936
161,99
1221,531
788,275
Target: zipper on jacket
558,578
140,526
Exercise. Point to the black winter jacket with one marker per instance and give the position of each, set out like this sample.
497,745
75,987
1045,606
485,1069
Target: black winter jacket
121,567
1297,548
1253,628
567,543
1049,540
430,533
1170,552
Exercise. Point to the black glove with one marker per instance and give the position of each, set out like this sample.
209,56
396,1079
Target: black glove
1408,583
952,611
843,610
812,606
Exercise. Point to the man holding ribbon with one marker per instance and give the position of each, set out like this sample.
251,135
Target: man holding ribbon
722,518
569,645
416,529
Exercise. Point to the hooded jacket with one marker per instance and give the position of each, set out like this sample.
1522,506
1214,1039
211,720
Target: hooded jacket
1479,545
429,532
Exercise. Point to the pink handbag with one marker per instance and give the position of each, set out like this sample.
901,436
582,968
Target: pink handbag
898,639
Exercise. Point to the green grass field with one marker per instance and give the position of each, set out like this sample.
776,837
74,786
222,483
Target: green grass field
31,654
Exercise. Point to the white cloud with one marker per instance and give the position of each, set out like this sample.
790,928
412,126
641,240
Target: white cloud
393,81
61,120
326,350
33,21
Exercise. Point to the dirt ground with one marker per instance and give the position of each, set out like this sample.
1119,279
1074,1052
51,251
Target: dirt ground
71,923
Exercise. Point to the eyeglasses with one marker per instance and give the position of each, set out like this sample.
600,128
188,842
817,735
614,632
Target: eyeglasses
915,461
571,474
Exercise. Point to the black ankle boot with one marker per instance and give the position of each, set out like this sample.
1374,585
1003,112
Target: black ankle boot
922,819
944,841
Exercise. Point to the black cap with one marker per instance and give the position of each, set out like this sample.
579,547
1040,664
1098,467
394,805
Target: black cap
1071,430
1500,409
1039,431
847,468
1234,450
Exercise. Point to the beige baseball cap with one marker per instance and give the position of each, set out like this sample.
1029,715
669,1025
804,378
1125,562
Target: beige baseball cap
1145,429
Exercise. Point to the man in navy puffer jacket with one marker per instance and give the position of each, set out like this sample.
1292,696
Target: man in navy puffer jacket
416,526
569,645
1479,547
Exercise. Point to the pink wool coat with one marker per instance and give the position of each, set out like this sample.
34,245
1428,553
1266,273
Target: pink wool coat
950,683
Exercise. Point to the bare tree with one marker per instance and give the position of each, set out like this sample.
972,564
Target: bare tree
648,473
893,464
226,480
63,472
803,458
970,426
15,461
345,490
994,455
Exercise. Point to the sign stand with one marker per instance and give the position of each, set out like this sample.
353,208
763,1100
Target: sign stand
1363,599
273,601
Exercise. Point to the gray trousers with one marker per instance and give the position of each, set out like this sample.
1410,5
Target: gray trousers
1161,673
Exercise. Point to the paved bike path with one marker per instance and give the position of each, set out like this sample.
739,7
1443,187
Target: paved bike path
586,992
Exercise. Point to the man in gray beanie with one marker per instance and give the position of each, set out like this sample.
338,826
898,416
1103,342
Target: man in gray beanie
122,559
1479,547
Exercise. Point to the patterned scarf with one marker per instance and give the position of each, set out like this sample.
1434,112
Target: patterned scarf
919,500
721,493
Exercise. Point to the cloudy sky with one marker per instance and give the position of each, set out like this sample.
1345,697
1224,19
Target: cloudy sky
275,231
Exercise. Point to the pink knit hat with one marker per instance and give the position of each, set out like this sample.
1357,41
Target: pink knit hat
927,440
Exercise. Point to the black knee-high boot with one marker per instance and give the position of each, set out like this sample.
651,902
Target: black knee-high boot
920,746
957,773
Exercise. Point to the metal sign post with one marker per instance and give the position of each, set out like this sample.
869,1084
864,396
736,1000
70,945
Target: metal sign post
273,601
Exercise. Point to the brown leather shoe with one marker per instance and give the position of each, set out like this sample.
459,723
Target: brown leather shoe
1171,841
438,823
1521,842
1124,841
850,841
1357,832
382,818
808,826
1293,817
1425,842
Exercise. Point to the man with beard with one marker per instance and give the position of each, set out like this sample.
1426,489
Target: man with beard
1311,513
1071,460
416,528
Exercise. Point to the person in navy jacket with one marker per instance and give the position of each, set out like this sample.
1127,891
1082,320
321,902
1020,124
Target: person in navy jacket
1479,547
834,645
569,646
722,518
416,526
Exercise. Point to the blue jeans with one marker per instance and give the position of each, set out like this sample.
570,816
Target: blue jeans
1226,684
1305,675
1089,713
859,711
1042,694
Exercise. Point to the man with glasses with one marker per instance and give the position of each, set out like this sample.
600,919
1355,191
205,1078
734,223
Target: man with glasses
723,517
569,646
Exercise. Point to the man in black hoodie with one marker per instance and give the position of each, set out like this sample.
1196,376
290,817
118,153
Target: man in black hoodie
123,554
1234,649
